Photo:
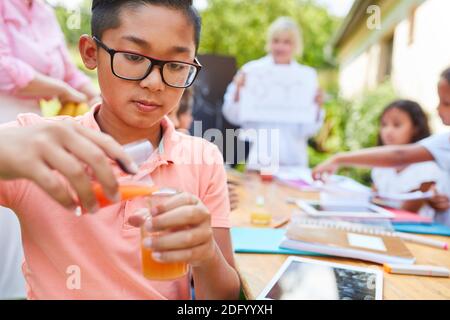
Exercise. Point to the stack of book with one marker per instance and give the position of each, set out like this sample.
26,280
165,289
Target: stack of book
349,239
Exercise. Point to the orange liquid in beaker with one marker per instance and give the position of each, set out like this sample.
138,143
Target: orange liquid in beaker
154,270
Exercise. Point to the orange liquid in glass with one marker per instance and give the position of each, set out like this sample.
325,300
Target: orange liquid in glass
154,270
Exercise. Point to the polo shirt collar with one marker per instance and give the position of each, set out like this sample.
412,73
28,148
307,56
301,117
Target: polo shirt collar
164,152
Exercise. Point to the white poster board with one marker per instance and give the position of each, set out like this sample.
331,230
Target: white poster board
279,93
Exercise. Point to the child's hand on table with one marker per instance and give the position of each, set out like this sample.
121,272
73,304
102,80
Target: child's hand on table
35,152
325,169
191,236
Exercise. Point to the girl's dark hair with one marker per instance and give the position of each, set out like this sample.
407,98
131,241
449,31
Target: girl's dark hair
418,118
446,74
106,14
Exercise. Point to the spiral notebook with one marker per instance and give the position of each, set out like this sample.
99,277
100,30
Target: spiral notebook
346,239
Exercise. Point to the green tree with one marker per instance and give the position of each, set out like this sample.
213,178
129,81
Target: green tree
238,28
73,32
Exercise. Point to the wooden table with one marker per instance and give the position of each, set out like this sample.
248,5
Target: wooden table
256,270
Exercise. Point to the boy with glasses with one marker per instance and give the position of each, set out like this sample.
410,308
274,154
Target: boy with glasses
144,51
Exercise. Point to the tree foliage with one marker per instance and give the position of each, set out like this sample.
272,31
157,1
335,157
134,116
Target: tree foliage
239,27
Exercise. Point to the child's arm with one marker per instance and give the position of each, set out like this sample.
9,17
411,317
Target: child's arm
387,156
206,281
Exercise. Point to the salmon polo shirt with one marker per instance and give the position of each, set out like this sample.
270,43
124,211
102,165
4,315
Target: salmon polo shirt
98,256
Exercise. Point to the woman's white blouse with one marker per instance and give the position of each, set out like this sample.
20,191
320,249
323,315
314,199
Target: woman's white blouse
292,138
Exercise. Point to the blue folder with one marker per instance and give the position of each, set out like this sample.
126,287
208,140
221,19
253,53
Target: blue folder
431,229
267,240
261,240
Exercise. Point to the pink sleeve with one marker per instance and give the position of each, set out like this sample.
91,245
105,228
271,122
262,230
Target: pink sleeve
15,74
216,197
73,76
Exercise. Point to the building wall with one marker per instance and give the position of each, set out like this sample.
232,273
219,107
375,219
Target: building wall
416,65
361,73
360,54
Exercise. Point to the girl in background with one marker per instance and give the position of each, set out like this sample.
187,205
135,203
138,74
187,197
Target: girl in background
404,122
434,148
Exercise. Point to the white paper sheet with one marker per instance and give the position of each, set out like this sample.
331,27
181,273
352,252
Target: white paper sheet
279,94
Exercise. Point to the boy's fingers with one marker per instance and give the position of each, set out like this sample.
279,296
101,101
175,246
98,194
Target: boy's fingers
178,200
48,181
95,158
111,147
179,240
178,217
74,172
138,219
195,254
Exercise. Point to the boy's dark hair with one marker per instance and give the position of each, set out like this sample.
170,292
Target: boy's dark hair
105,14
446,74
418,118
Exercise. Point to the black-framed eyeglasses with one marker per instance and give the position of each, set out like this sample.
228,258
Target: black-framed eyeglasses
132,66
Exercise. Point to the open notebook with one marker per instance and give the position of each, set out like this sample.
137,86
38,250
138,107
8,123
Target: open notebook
346,239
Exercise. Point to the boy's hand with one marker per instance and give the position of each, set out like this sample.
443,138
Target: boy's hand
189,236
66,147
325,169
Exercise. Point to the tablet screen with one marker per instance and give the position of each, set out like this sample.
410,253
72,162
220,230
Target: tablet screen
342,208
310,281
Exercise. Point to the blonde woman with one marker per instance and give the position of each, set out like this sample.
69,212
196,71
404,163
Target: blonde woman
284,44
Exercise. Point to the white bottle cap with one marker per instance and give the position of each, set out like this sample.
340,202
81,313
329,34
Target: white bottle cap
139,151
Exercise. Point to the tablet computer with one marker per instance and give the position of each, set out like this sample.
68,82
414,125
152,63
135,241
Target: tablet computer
307,279
344,210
